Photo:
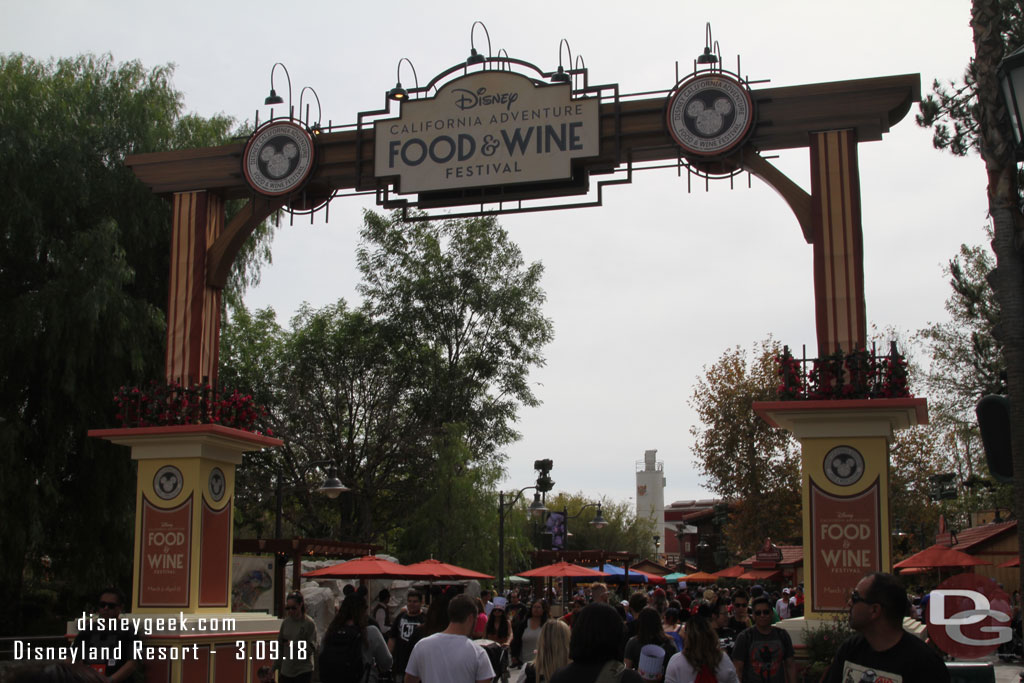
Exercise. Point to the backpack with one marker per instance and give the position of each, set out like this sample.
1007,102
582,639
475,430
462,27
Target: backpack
705,675
341,660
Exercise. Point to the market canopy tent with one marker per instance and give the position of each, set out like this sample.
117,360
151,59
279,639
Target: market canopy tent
733,572
699,577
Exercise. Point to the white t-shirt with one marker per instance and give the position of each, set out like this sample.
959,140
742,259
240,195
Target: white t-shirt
449,658
782,607
680,671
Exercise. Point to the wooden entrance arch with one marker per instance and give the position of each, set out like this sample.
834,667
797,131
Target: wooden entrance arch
829,119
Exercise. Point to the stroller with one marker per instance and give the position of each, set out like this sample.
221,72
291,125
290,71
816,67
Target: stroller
498,654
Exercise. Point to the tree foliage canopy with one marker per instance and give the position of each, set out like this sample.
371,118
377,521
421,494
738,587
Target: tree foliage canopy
412,395
84,258
744,459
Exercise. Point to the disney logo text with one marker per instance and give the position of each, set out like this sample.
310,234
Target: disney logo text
467,99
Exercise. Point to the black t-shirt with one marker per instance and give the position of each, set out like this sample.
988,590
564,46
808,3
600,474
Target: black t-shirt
763,655
402,629
908,661
107,654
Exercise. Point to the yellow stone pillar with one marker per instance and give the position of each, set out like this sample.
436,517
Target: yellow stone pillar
184,531
845,466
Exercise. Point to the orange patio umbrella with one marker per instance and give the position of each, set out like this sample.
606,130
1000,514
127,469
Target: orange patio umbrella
939,556
563,570
443,570
699,577
368,567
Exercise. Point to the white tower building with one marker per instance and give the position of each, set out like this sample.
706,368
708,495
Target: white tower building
650,491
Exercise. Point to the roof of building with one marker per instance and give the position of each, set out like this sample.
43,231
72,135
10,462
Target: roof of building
792,555
971,540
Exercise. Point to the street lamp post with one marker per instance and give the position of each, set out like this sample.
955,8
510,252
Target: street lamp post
598,522
331,487
536,507
543,485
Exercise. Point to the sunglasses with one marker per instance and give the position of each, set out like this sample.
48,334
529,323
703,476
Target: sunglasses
855,598
109,605
762,612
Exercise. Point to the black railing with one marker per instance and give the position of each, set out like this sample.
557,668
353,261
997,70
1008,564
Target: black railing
841,375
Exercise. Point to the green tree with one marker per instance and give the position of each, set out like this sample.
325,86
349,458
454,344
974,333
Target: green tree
460,289
84,258
746,461
980,121
966,364
457,514
411,396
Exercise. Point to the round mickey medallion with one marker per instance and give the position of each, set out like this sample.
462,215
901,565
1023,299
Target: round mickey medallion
710,114
844,465
278,158
217,485
168,482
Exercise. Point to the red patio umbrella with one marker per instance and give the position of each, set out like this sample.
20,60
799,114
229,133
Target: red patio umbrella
1015,562
368,567
939,556
656,579
563,570
443,570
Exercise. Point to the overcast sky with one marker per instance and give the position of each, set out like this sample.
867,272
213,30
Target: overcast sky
646,290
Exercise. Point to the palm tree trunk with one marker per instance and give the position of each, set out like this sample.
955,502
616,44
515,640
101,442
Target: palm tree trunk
1007,280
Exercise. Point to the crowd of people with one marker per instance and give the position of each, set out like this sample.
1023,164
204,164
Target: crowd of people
686,635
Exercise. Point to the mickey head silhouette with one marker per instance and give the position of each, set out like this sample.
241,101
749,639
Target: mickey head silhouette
168,482
709,121
278,161
844,465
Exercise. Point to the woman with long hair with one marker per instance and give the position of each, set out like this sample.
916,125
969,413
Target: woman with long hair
499,628
298,629
595,648
649,631
700,653
348,640
552,652
527,632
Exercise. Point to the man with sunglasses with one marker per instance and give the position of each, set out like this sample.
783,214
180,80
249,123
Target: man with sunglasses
764,653
116,663
739,620
877,607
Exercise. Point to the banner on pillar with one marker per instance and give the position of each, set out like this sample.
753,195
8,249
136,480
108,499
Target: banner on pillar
165,560
845,543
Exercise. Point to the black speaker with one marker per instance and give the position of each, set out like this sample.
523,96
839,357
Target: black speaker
993,413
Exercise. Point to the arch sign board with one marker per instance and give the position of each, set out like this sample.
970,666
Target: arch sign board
487,128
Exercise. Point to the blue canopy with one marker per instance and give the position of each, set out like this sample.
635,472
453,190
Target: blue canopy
619,575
